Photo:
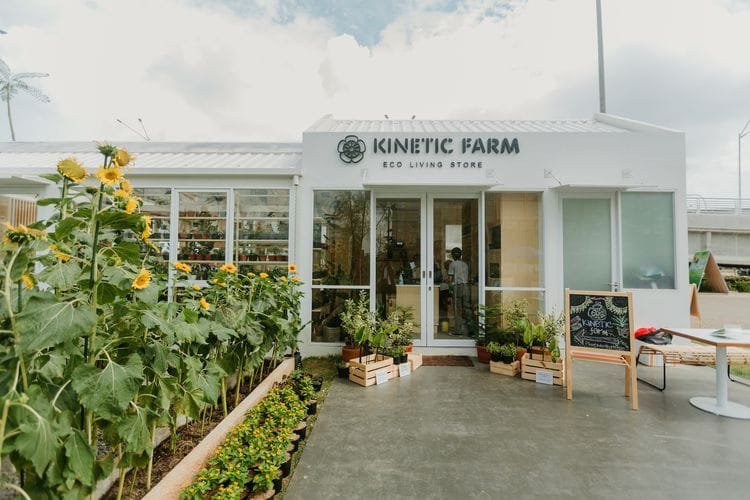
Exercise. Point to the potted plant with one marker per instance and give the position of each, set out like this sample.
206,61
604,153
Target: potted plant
332,329
493,348
508,353
358,322
342,367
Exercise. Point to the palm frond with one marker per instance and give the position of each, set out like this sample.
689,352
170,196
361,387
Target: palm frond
35,92
4,69
21,76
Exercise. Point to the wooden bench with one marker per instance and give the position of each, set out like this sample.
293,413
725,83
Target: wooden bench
690,354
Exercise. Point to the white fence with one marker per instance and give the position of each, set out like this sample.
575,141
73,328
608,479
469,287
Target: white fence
725,206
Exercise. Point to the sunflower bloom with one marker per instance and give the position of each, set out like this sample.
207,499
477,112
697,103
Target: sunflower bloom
181,266
142,279
22,234
197,288
204,304
126,186
71,169
292,268
146,232
122,157
263,275
295,279
121,194
228,268
28,281
282,278
131,205
109,176
58,254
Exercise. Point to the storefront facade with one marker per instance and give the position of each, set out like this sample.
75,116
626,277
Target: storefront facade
439,217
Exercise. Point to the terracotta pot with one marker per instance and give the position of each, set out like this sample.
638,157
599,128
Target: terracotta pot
520,351
262,495
482,354
349,352
409,348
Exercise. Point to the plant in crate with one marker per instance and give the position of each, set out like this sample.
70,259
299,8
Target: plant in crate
359,322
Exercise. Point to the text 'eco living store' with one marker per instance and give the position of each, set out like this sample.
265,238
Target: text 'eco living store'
439,217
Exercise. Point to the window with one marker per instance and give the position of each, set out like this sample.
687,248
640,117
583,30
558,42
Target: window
513,259
341,257
261,231
202,230
648,244
157,203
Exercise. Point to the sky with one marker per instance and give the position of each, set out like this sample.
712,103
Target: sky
264,70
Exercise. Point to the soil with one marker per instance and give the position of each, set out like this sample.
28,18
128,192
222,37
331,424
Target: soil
188,437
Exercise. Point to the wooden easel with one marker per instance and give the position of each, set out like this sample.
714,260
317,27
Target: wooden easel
624,358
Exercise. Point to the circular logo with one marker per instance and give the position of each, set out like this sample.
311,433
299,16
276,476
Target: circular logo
597,312
351,149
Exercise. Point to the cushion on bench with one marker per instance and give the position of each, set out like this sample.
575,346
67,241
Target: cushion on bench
676,354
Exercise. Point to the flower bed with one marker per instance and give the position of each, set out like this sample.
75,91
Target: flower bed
98,358
256,454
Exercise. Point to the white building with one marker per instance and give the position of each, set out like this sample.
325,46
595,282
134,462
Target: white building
533,206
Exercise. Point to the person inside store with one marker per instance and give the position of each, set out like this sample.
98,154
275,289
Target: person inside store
458,277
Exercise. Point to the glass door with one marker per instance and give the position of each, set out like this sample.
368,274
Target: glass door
453,270
588,258
399,265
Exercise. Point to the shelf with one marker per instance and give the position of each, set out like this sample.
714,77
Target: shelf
199,217
261,217
280,262
204,261
201,239
269,241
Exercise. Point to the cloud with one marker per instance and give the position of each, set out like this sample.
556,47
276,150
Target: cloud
265,70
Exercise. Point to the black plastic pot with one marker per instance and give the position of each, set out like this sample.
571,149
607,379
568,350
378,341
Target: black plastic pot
495,357
312,407
286,467
343,371
317,384
507,359
277,484
301,430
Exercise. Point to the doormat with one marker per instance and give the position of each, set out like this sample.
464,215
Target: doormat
446,361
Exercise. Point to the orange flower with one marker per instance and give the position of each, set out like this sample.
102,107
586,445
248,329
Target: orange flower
146,232
58,254
295,279
126,186
109,176
122,157
283,278
204,304
131,205
263,275
197,288
181,266
228,268
28,281
292,268
142,279
71,169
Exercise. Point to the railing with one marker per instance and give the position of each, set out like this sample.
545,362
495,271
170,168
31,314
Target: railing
697,204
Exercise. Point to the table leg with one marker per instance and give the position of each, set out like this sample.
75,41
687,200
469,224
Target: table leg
721,404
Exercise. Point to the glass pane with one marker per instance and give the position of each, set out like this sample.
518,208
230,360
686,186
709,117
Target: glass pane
647,240
341,238
514,256
261,229
587,244
399,263
202,231
327,305
456,257
534,301
157,203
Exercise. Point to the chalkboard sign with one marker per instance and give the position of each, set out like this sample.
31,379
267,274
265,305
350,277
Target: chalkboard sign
599,320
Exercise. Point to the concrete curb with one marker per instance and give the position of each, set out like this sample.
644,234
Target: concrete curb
181,476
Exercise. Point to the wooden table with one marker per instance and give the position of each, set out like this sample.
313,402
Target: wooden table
720,405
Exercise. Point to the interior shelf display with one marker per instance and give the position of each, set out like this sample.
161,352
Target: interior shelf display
202,230
261,232
156,203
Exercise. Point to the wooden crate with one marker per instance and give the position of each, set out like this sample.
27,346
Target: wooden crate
363,370
529,367
509,369
415,360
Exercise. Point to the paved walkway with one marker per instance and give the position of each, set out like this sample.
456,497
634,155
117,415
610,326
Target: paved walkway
456,432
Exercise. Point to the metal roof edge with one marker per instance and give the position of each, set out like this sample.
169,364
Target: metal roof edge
153,147
632,125
315,126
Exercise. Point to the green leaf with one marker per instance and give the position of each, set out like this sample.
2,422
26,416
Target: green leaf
190,315
106,293
36,443
149,294
108,391
45,323
52,177
128,251
80,457
48,201
62,275
134,431
118,220
66,226
54,367
19,266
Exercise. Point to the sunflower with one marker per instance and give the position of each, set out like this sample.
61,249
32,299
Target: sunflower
295,279
126,186
122,157
58,254
131,205
181,266
292,268
109,176
28,281
228,268
146,232
282,278
71,169
197,288
204,304
142,279
263,275
22,234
